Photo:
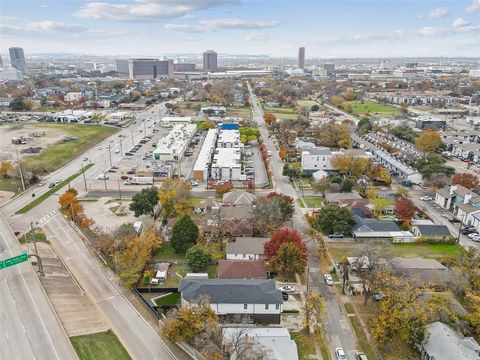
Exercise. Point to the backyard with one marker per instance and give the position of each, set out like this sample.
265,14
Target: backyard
103,345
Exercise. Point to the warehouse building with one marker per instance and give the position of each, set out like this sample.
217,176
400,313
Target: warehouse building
173,145
174,120
228,139
226,164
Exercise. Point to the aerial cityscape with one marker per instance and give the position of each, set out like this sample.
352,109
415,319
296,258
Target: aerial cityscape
240,180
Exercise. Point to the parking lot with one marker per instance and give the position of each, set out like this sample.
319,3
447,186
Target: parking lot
134,160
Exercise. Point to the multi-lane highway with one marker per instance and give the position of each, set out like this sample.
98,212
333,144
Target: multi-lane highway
29,327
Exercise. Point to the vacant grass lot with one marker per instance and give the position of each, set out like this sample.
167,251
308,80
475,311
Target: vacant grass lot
104,345
56,155
235,111
305,344
11,184
359,108
313,201
306,103
434,251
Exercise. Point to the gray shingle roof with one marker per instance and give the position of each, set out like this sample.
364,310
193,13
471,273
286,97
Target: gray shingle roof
434,230
375,225
318,151
231,291
246,245
445,344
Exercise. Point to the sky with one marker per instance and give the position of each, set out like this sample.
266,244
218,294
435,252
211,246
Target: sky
328,29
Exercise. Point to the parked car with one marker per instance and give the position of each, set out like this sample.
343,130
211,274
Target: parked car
129,154
85,159
52,185
58,180
328,279
425,198
472,235
193,183
454,220
284,296
131,172
340,354
468,230
335,236
287,288
378,297
360,356
117,151
124,177
42,183
475,238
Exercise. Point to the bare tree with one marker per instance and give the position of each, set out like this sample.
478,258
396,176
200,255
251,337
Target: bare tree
241,346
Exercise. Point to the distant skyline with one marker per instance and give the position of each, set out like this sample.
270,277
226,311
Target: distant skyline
405,28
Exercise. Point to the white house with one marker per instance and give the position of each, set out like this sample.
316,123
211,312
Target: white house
73,96
316,159
236,300
246,248
276,340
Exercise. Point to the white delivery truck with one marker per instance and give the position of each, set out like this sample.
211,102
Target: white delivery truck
140,180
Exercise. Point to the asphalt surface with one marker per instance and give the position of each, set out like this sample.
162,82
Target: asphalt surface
29,327
336,324
139,338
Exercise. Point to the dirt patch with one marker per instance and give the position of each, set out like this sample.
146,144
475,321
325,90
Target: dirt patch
33,134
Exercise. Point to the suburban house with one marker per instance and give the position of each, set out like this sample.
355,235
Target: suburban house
464,204
237,220
431,231
276,340
246,248
379,230
242,269
314,159
244,301
443,343
342,198
239,198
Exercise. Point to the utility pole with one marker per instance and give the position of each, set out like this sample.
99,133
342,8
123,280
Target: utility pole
33,237
110,155
21,171
119,191
84,180
131,129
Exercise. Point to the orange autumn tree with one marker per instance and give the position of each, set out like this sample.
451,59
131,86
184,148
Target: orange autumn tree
269,118
283,153
72,209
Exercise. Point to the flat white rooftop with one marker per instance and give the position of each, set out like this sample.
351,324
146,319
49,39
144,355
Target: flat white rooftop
227,158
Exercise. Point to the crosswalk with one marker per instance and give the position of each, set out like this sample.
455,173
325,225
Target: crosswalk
43,221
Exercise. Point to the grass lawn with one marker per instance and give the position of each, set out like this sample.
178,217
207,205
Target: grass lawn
212,271
362,339
11,184
104,345
359,108
168,300
305,344
243,112
38,234
194,201
432,251
56,155
313,201
39,199
300,203
306,103
167,252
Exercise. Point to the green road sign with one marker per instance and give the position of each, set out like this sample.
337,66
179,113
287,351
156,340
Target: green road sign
13,261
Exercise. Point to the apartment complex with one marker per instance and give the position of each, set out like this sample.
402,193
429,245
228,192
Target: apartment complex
145,69
201,167
315,159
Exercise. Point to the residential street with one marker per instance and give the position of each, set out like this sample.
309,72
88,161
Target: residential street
337,325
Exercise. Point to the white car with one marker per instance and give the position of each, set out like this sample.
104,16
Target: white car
117,151
42,183
58,180
425,198
472,235
340,354
287,289
328,279
475,238
102,177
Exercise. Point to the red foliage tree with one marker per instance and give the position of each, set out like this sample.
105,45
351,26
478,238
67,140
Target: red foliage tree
284,236
223,188
470,181
284,197
405,209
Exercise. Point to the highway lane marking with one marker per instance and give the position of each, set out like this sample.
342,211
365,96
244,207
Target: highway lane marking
37,311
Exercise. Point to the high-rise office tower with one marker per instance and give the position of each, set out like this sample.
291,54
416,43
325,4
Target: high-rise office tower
210,60
1,61
301,57
17,59
145,69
